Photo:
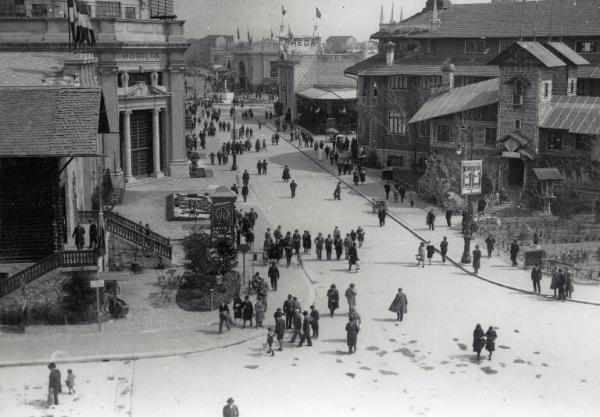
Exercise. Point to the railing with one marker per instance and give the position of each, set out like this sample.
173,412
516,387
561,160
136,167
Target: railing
577,273
86,217
48,264
135,233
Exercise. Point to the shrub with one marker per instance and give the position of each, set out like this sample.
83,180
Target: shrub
79,298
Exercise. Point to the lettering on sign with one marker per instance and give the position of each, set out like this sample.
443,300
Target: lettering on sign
138,56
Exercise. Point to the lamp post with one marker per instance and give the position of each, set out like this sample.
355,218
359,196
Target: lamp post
233,147
467,227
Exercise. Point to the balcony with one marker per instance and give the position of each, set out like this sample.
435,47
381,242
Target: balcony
19,30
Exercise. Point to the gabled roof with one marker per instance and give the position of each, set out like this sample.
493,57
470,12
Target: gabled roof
370,62
545,174
504,20
534,49
459,99
566,54
49,121
575,114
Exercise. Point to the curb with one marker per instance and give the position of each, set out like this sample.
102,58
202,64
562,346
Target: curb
417,235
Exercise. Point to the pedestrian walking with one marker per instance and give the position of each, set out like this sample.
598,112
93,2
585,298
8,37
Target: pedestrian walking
231,410
245,191
478,340
568,284
319,242
224,317
306,241
337,193
430,251
352,330
353,258
536,277
444,249
421,254
360,235
387,187
54,382
264,163
245,177
279,329
259,167
490,341
247,312
399,304
430,220
560,284
306,329
381,214
476,259
70,381
315,316
554,281
514,251
333,299
259,312
338,244
286,174
293,187
238,307
288,310
489,243
449,217
93,231
273,274
328,247
270,337
351,294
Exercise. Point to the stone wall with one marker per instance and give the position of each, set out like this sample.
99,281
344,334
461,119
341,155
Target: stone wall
123,253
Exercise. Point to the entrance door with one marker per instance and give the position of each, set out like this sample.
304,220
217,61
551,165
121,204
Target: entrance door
141,143
516,169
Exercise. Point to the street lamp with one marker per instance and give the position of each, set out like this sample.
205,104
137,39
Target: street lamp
233,147
467,226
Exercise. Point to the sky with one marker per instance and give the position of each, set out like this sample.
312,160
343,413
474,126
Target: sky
359,18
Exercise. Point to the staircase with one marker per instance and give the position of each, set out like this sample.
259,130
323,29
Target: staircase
62,259
137,234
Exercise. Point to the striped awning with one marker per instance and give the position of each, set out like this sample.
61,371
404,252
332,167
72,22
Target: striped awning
575,114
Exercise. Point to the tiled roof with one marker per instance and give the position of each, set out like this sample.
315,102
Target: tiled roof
544,174
535,49
370,62
576,114
22,69
459,99
49,121
322,93
566,54
504,20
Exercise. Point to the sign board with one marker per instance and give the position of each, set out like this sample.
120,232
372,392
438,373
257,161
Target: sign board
222,221
533,256
471,176
114,276
513,155
96,283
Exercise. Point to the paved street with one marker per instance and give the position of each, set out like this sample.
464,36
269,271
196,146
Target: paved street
545,362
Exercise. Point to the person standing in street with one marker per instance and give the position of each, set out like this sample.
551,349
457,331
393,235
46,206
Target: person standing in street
353,257
273,275
286,174
93,235
328,247
259,312
264,164
231,410
568,284
381,214
560,284
478,340
476,259
444,249
288,310
489,243
279,329
79,235
306,329
430,251
399,305
297,326
536,277
514,251
387,187
430,220
54,382
270,337
360,235
337,193
245,177
245,192
351,294
314,321
259,167
333,299
319,241
224,317
449,217
352,330
421,254
247,312
293,187
490,341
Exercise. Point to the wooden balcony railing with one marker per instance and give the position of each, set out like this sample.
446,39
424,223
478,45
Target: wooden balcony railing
138,234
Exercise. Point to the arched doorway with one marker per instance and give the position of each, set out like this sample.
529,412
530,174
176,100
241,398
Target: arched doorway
242,74
516,170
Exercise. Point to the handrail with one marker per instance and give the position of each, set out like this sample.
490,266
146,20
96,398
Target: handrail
140,239
117,218
50,263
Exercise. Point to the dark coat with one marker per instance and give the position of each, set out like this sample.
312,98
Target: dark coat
280,328
444,246
400,303
352,255
306,324
478,339
247,310
54,380
273,272
490,344
430,251
333,298
288,306
352,330
238,306
476,258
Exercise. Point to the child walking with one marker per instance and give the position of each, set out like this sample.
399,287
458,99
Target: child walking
70,381
270,341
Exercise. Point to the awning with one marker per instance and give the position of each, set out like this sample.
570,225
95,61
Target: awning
324,93
49,121
544,174
458,100
575,114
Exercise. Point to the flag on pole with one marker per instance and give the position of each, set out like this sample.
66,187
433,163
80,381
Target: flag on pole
72,14
318,13
85,32
249,37
272,35
283,10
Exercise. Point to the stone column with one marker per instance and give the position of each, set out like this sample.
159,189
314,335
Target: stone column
127,146
178,163
156,143
111,141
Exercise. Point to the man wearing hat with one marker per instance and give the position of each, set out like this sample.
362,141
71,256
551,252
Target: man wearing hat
306,328
314,323
288,310
231,410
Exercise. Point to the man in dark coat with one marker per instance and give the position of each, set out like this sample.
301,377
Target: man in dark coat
536,276
387,187
273,275
333,299
93,235
352,330
328,247
279,328
265,165
476,259
245,192
352,257
79,234
319,242
490,341
54,382
449,217
247,312
430,220
314,323
306,329
514,250
288,310
297,327
444,249
293,187
478,340
381,213
245,177
231,410
489,243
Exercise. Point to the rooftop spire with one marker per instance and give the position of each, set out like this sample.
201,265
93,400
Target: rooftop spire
381,15
401,12
392,14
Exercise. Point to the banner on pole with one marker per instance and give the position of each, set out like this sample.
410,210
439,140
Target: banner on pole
471,177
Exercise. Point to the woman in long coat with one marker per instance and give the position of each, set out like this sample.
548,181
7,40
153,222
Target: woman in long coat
352,256
333,299
478,340
554,281
399,305
352,330
238,305
286,174
247,312
490,344
259,312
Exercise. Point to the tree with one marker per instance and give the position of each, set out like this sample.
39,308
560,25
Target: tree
79,297
203,258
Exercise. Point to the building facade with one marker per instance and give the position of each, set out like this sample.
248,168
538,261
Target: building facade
254,65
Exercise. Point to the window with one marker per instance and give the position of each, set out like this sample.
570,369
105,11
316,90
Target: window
475,46
374,89
130,13
306,42
274,69
546,89
586,46
108,9
364,89
489,136
518,93
431,82
397,82
424,131
39,10
583,143
517,124
572,86
145,77
555,141
442,133
395,161
396,123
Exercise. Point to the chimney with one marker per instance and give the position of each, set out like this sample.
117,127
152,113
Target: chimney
447,77
390,48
